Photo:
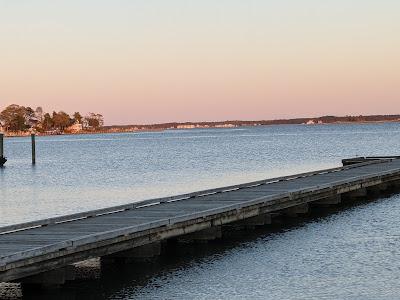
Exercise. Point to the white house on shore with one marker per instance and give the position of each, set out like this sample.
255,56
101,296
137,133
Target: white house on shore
312,122
75,128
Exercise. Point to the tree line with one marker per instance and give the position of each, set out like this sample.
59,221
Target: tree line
20,118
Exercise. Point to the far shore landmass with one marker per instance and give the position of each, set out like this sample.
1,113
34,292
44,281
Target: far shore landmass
87,126
241,123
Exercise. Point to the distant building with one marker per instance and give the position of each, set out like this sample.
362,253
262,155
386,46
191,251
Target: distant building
75,128
225,126
32,121
186,126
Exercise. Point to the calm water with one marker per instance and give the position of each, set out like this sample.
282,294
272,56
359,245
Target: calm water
349,254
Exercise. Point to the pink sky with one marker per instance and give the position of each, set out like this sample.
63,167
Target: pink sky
151,62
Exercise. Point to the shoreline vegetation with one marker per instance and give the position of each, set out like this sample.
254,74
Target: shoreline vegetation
18,121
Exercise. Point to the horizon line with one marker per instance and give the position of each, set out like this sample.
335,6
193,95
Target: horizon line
260,120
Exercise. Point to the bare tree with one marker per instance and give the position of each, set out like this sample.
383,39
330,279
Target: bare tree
94,120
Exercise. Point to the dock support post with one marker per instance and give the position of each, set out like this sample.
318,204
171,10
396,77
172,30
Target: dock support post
377,189
204,235
297,210
260,220
49,279
33,148
1,144
2,158
337,199
357,194
139,254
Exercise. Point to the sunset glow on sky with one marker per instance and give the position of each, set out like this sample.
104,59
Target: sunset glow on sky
155,61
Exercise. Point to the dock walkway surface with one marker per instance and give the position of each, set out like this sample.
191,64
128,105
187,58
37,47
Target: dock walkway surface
35,247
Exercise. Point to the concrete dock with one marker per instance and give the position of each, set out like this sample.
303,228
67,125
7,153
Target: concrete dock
42,252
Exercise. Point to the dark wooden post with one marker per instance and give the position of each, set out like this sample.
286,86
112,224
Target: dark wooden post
33,149
2,158
1,144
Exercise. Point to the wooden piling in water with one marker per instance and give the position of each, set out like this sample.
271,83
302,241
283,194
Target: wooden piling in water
1,144
33,148
2,158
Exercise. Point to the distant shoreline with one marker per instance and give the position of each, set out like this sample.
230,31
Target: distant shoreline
219,125
241,123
